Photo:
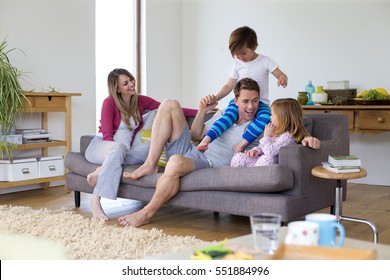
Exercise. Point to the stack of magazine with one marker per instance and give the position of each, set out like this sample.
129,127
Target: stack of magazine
34,135
342,164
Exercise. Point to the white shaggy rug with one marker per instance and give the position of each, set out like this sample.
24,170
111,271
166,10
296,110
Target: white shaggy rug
89,239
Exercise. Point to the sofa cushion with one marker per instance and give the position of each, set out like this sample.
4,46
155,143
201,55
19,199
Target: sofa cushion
148,123
274,178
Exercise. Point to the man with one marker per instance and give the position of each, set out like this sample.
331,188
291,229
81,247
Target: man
170,130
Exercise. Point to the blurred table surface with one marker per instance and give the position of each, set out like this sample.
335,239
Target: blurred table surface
382,251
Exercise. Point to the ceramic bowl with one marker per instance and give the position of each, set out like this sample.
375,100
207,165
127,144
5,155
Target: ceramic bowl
319,97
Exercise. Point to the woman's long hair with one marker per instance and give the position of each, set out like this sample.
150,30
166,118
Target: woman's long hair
126,110
290,118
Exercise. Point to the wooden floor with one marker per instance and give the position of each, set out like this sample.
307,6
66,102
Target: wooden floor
363,201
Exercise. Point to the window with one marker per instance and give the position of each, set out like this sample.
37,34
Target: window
115,46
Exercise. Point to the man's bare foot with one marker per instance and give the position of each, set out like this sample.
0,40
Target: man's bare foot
97,210
136,219
141,171
92,177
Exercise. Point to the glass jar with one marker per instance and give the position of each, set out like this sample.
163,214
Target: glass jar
310,89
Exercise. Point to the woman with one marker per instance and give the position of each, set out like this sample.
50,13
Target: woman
121,119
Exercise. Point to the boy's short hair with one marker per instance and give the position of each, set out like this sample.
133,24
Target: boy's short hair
246,83
242,37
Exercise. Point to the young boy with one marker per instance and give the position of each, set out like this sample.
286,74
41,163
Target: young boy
247,64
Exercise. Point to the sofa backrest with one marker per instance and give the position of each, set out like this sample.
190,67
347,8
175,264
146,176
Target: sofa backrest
330,127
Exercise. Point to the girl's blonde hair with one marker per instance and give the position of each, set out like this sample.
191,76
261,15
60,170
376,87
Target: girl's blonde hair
126,110
290,118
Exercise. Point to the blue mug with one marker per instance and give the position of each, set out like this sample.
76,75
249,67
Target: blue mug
328,229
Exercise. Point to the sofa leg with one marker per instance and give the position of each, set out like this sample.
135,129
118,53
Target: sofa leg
77,198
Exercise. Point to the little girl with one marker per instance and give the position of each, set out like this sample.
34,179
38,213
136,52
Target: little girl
286,127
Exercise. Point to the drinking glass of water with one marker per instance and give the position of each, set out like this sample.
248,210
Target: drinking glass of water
265,232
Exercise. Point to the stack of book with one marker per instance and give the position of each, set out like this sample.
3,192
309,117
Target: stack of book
342,164
34,135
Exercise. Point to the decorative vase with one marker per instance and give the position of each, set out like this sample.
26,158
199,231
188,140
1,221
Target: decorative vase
319,96
310,89
303,97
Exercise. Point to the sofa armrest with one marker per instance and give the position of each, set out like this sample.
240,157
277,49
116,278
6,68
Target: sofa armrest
84,142
301,160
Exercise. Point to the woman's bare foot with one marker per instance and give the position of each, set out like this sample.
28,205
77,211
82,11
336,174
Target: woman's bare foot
136,219
97,210
141,171
92,177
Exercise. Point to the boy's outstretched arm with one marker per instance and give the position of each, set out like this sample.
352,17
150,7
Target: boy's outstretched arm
226,89
228,118
282,78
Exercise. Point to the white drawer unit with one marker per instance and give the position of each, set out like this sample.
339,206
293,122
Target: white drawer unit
18,169
50,166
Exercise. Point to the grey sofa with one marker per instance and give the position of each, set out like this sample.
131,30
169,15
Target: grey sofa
287,188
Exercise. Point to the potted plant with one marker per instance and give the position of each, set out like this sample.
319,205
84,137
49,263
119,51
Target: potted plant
12,98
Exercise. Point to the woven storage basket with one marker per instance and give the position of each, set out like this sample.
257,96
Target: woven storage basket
341,96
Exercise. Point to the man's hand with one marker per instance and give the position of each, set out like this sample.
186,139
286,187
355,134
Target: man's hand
208,103
312,142
197,128
239,147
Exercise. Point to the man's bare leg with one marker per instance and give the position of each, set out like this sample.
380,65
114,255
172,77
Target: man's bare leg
167,186
168,125
92,177
97,210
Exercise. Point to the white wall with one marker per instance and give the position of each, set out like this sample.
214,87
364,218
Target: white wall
163,50
311,40
58,39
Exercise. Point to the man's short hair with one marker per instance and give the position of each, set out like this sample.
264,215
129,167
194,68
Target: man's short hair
246,83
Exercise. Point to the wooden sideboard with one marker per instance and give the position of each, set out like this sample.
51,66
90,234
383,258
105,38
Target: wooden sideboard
44,103
361,118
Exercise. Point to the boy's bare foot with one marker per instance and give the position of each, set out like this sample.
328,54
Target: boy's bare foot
141,171
97,210
92,177
136,219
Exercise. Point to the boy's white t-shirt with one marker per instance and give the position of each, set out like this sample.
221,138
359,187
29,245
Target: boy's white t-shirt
258,70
